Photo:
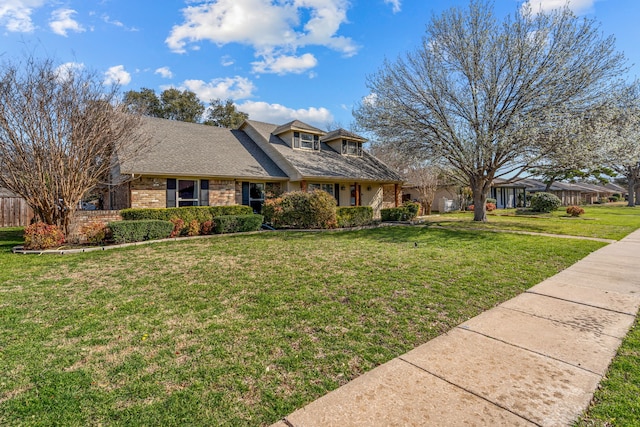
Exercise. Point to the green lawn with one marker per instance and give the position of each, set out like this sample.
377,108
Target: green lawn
617,401
240,330
603,221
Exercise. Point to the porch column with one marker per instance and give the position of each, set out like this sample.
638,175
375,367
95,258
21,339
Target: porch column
357,187
303,186
398,194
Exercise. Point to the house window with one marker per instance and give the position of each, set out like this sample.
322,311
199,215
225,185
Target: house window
351,148
306,141
256,196
324,187
187,192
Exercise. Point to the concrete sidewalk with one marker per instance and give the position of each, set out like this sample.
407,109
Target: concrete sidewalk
535,360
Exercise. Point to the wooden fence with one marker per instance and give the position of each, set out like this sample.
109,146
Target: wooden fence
14,212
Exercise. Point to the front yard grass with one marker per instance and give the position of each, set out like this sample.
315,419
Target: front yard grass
617,401
239,330
600,221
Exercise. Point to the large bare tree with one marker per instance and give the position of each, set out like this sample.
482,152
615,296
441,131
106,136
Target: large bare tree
59,130
479,93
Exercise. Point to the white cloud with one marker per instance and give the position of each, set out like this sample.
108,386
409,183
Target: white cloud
577,6
273,28
276,113
15,15
371,99
395,4
223,88
285,64
117,75
115,22
164,72
61,22
227,61
68,69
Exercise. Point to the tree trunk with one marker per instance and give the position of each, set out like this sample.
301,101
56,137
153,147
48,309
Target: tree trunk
631,200
479,203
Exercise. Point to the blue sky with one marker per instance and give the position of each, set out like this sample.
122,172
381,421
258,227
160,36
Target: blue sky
277,59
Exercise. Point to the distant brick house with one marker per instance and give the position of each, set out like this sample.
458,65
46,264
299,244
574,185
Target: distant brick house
196,165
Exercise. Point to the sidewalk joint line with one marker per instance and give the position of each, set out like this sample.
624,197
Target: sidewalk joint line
470,392
534,352
581,303
286,421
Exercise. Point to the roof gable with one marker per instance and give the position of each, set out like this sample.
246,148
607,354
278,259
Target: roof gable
296,125
340,134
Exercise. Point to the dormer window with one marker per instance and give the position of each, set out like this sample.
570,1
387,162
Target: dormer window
351,148
306,141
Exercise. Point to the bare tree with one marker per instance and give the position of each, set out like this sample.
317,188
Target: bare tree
478,93
59,131
425,178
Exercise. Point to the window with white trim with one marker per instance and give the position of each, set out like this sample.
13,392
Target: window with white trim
351,148
306,141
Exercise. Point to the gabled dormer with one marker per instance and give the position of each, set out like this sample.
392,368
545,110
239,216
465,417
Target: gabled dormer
344,142
299,135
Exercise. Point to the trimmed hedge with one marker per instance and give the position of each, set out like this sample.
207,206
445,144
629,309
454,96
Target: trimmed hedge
185,213
299,209
237,223
140,230
405,212
354,216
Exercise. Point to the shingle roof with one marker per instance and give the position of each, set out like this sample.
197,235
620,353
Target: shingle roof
341,133
326,163
188,149
296,125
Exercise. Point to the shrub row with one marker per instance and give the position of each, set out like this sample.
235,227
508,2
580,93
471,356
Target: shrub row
299,209
238,223
186,213
406,212
354,216
140,230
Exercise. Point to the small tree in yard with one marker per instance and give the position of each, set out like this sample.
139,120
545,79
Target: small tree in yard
425,178
59,131
481,95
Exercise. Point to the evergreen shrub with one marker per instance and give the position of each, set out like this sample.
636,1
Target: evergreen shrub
545,202
354,216
140,230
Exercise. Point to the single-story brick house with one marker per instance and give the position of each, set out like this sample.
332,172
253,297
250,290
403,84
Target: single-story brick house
512,194
191,164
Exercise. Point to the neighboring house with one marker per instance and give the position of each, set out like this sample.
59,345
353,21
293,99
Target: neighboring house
509,194
446,199
194,165
593,193
512,194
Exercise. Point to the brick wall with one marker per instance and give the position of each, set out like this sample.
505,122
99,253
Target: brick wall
82,218
222,193
149,192
389,196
